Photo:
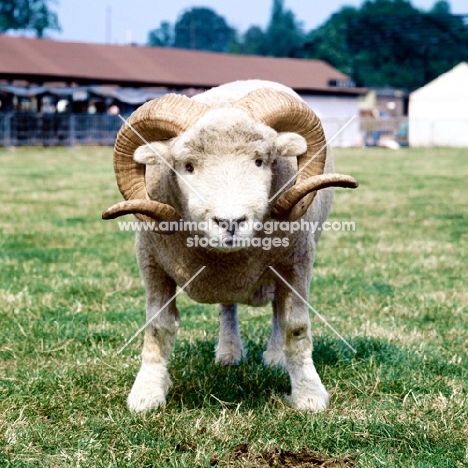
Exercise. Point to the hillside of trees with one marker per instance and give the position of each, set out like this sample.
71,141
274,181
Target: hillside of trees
381,43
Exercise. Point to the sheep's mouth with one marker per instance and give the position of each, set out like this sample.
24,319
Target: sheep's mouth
230,243
225,243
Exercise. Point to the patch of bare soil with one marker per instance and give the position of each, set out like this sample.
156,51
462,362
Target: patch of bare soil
240,456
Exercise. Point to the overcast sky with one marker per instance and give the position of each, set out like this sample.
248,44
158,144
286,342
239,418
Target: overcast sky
130,21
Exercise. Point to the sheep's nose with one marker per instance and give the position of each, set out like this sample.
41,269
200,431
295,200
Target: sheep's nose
229,225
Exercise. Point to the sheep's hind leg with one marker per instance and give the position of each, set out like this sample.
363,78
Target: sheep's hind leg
274,354
230,349
152,381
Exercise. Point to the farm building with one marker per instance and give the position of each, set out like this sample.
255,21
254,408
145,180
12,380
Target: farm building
70,83
438,112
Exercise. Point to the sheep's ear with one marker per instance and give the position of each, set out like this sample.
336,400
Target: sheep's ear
152,153
290,144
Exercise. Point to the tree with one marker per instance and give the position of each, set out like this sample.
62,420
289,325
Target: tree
27,15
252,41
391,43
163,36
282,35
441,7
329,41
203,29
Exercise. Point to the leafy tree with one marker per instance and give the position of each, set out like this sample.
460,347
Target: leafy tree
387,7
329,41
203,29
391,43
163,36
252,42
441,7
282,35
27,15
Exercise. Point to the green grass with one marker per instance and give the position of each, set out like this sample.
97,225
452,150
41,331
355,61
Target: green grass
71,296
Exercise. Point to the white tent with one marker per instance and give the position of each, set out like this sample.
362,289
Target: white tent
438,112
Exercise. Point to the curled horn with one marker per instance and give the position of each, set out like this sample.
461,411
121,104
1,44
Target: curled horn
159,119
285,113
295,194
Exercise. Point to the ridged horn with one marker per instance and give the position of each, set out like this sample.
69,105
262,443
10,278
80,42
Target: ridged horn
153,209
159,119
296,194
285,113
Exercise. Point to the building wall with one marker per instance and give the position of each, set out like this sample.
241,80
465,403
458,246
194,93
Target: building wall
435,123
438,112
335,113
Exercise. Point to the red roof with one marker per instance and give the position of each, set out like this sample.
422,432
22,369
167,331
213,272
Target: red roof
41,60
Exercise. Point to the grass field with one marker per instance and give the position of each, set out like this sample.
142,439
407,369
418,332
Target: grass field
396,288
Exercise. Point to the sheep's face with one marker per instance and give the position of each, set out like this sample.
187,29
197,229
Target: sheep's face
225,166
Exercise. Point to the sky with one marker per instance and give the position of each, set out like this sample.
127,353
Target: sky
125,21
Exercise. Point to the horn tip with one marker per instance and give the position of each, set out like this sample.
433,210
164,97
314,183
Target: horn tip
353,183
107,214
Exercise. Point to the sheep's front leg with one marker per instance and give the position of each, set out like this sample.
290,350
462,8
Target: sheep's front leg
307,390
152,381
230,349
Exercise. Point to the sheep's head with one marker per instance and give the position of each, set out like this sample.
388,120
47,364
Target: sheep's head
227,156
224,168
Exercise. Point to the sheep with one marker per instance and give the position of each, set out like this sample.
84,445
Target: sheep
226,160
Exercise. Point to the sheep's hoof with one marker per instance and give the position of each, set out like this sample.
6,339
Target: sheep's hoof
228,360
309,401
150,388
230,357
274,358
140,402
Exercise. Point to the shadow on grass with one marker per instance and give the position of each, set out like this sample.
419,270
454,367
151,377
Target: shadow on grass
199,382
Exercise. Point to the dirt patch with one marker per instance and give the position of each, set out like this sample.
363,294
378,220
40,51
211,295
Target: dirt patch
240,456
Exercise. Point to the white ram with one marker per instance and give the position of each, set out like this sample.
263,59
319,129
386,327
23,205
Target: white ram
215,161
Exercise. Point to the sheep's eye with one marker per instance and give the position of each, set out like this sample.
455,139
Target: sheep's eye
189,167
259,162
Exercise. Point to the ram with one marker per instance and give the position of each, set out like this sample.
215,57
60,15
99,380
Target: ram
226,162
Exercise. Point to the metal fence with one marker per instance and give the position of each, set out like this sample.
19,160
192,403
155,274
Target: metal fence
376,132
19,129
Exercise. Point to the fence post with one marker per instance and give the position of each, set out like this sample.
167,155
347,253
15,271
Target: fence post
7,129
71,130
